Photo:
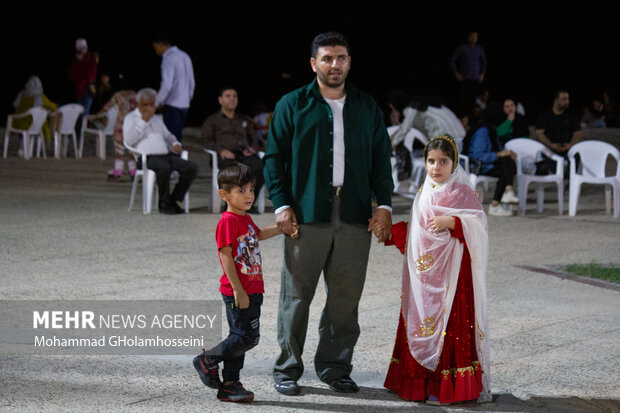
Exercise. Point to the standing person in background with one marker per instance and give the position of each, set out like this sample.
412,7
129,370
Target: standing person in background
177,85
82,74
469,65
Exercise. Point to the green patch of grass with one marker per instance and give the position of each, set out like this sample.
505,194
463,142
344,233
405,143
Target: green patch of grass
594,270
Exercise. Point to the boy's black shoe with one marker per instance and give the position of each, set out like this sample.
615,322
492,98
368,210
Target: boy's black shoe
234,393
287,387
208,372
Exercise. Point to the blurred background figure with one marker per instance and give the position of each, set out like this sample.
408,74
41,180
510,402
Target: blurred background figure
262,119
32,95
594,114
469,66
125,101
514,125
83,73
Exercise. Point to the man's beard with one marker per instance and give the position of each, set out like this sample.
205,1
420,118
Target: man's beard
324,78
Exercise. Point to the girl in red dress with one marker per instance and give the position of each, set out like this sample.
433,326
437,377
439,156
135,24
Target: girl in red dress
441,354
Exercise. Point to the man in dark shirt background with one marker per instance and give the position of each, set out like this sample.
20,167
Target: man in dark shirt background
231,135
469,66
558,127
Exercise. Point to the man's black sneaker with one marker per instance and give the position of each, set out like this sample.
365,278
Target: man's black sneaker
344,384
176,207
287,387
167,209
234,393
208,372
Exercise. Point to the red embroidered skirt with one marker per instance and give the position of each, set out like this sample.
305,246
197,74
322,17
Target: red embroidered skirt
458,375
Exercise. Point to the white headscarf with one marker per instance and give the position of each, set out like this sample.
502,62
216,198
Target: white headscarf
432,265
81,47
33,87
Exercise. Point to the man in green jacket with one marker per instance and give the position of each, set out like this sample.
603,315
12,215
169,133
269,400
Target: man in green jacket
327,155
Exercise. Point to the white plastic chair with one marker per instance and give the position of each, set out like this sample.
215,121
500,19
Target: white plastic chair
528,151
38,118
477,179
100,134
216,201
418,167
417,164
70,114
149,181
592,158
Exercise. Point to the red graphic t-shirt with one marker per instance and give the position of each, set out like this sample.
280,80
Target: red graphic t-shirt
241,234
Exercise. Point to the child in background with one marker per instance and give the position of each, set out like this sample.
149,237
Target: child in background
241,284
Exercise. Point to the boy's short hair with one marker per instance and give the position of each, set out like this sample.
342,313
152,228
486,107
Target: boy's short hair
235,174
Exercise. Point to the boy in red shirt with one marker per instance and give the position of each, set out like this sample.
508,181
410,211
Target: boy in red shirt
241,284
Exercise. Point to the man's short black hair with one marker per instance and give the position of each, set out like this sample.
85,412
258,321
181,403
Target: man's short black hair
162,38
235,174
328,39
224,88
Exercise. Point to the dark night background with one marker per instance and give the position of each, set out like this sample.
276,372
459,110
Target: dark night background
531,47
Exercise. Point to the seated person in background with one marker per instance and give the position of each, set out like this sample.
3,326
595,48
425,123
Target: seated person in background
125,101
431,117
32,95
594,115
146,132
104,92
514,125
483,146
262,119
558,128
231,135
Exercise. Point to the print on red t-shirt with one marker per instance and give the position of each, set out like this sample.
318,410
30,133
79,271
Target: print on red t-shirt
241,234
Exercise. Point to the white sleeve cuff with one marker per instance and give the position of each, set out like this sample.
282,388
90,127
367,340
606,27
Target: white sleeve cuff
282,208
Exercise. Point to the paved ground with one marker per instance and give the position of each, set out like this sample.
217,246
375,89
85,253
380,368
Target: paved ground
65,233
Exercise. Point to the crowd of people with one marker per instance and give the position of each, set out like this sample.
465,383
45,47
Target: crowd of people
486,123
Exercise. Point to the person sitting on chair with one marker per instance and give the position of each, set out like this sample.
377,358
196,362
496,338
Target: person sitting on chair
146,132
231,135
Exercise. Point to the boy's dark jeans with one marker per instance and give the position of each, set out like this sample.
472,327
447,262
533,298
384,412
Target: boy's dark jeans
244,334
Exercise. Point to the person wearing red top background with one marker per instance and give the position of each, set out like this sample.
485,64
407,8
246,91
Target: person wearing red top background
83,73
241,284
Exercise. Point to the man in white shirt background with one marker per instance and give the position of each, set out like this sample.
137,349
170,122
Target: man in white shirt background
177,84
147,133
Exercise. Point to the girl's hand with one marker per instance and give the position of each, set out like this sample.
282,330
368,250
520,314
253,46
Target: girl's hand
441,223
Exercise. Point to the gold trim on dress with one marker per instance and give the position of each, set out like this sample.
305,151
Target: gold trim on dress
425,262
428,327
462,371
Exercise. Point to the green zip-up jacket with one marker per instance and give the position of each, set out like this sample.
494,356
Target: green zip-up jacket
298,156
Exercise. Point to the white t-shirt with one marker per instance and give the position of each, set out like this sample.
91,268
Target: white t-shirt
338,136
